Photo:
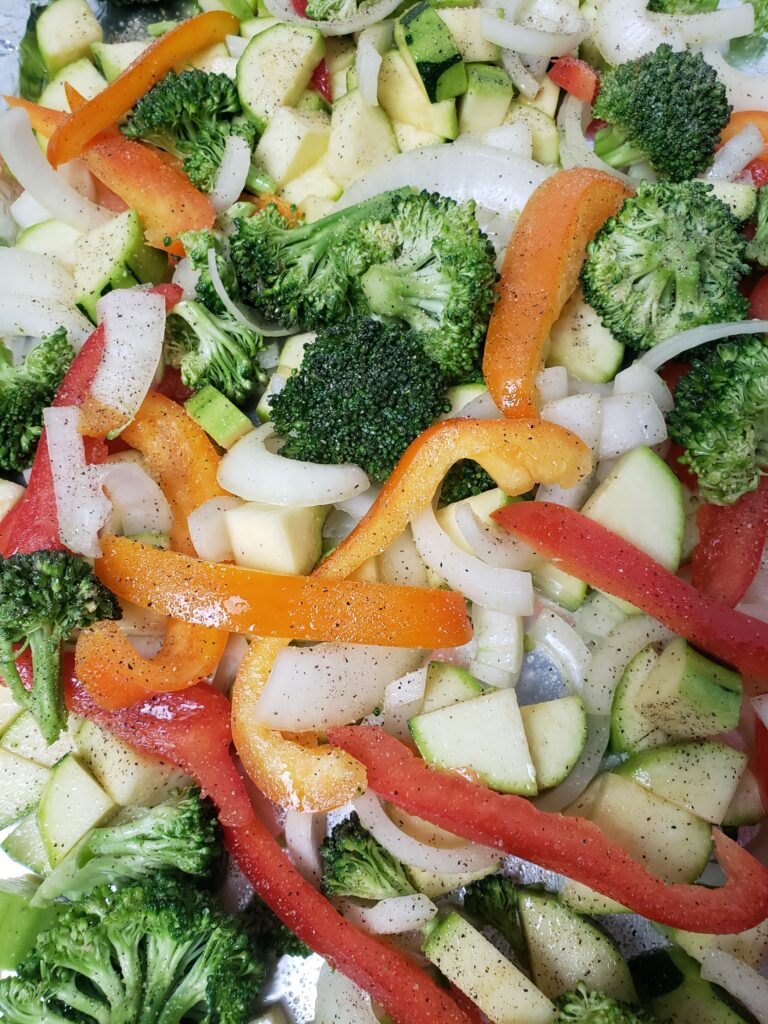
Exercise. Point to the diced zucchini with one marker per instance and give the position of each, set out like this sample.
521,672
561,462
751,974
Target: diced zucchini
690,696
544,137
740,199
583,900
631,730
219,418
750,946
21,785
673,843
253,26
52,238
702,777
313,183
66,30
311,100
484,735
275,69
82,75
25,846
409,138
746,808
275,538
546,99
447,685
431,53
127,777
402,97
20,924
361,139
556,585
565,949
466,26
642,501
241,9
556,731
492,982
579,342
9,709
434,885
114,58
294,140
25,739
71,804
485,103
462,394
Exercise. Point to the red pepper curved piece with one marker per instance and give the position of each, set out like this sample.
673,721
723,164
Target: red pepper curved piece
321,81
569,845
191,729
600,558
576,77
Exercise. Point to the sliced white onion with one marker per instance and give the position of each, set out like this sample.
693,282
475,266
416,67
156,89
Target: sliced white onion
338,525
236,45
81,507
521,77
360,503
138,503
229,666
734,155
247,317
481,408
585,769
134,326
491,544
679,343
597,617
582,414
34,274
575,150
528,40
26,161
745,91
552,383
716,26
640,378
39,317
232,173
368,14
515,138
186,277
341,1001
760,706
440,860
372,43
503,590
269,357
739,979
78,177
624,31
614,654
499,647
208,529
402,700
401,565
253,472
314,688
496,180
564,646
26,211
629,421
303,835
393,916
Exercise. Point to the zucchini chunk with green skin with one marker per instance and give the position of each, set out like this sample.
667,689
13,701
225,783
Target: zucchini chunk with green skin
25,739
219,418
485,103
580,343
746,808
20,923
25,847
447,685
565,949
749,946
66,31
81,75
21,784
71,804
691,696
429,49
402,97
556,731
466,26
582,900
361,138
631,730
275,69
701,777
114,58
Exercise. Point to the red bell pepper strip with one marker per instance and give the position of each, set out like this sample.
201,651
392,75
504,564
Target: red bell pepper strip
761,749
758,299
321,81
600,558
569,845
192,730
576,77
759,170
731,542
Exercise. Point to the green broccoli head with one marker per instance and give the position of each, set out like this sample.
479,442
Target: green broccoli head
160,951
666,107
682,6
670,259
493,901
355,864
331,10
44,596
364,391
757,246
464,480
191,116
584,1007
197,245
216,350
25,390
272,938
720,418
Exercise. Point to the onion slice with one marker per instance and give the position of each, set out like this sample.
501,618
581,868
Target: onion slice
440,860
734,155
39,317
564,646
575,151
498,654
640,378
392,916
138,503
629,421
249,319
340,1001
253,472
303,835
739,979
372,43
232,173
679,343
583,415
521,77
745,91
208,529
585,769
402,700
492,545
368,14
35,275
614,654
26,161
529,40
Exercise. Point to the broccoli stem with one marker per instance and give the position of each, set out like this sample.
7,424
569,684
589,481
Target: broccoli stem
47,694
404,292
612,147
259,181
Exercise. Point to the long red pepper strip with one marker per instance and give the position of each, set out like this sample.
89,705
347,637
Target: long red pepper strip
569,845
600,558
191,729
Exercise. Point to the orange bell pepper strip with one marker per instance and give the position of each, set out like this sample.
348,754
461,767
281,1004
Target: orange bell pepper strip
540,272
312,777
273,604
181,457
160,192
106,108
741,119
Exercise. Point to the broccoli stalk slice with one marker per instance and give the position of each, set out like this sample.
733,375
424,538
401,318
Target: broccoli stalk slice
613,147
414,295
24,1002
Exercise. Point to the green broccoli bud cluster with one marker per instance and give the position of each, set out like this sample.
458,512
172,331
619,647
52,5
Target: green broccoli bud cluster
44,596
272,938
464,480
670,259
583,1006
666,107
355,864
757,246
720,419
331,10
364,391
682,6
493,901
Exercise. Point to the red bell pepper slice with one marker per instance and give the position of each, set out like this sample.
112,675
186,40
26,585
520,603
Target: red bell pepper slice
600,558
758,300
569,845
192,729
576,77
759,170
321,81
761,748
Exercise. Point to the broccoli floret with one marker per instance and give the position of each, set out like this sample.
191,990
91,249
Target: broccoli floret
720,418
464,480
584,1007
191,115
197,245
493,901
355,864
272,938
666,107
216,350
413,256
670,259
44,596
160,952
25,390
180,834
757,247
682,6
364,391
331,10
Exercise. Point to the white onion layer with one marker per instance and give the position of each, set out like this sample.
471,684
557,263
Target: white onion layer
230,178
186,277
138,503
734,155
235,310
639,378
575,151
35,275
528,40
585,769
393,916
582,414
440,860
402,700
552,384
564,646
208,531
499,647
739,979
492,545
26,161
368,14
745,91
253,472
27,212
679,343
401,564
521,77
372,43
340,1001
614,654
629,421
303,835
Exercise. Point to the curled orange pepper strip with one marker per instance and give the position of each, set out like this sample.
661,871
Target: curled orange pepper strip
107,107
540,272
310,777
180,455
302,607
